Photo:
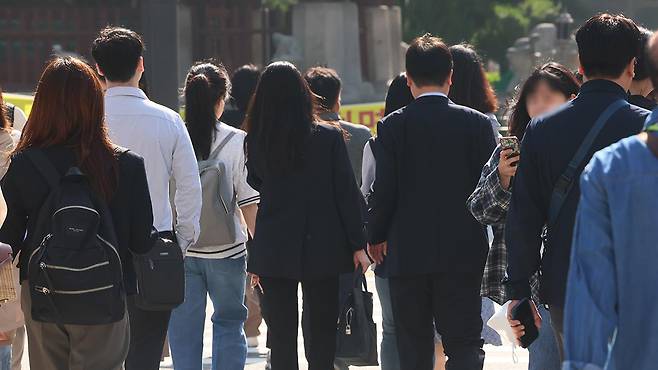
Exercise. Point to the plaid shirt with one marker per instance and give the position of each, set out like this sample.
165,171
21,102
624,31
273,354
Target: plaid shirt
489,204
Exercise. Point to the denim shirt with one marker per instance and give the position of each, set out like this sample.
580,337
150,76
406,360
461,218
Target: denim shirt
612,298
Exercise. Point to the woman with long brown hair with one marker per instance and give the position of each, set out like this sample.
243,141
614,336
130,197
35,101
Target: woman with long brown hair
67,128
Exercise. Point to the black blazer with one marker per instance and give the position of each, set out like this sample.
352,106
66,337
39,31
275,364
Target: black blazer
309,221
549,144
430,159
25,189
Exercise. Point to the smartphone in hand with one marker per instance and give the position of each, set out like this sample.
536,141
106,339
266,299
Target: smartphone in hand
522,312
511,142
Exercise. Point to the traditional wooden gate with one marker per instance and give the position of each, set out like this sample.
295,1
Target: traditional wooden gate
229,31
32,31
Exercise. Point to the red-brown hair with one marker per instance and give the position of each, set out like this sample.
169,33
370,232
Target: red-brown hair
4,121
69,111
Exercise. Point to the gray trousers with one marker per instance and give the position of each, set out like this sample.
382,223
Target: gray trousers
74,347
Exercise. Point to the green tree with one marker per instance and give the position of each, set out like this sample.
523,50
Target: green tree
280,4
492,25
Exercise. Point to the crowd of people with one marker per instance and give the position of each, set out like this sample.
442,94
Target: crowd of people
264,187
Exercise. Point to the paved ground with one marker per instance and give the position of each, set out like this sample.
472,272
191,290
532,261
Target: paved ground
497,358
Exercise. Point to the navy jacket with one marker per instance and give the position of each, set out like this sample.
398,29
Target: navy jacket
430,159
549,144
309,221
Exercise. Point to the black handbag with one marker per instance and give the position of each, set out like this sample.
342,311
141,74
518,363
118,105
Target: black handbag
356,339
160,276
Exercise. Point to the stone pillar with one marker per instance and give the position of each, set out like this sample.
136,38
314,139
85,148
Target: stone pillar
383,27
328,34
160,31
185,42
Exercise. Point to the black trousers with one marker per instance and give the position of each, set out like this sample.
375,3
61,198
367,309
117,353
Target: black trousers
148,331
320,313
452,303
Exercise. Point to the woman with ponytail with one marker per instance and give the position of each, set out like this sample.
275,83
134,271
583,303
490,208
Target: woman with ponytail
218,271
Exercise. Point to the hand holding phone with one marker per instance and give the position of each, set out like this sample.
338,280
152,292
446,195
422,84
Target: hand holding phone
511,143
526,313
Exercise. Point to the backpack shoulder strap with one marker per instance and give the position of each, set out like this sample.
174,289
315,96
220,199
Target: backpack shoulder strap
222,144
44,166
566,181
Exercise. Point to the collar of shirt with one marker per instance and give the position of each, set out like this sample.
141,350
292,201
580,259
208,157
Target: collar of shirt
603,86
433,94
125,91
330,116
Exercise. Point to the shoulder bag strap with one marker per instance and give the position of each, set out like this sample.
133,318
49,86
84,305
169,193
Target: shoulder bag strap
215,153
652,133
44,166
567,180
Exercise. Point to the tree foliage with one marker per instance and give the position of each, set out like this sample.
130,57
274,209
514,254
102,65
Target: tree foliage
491,25
279,4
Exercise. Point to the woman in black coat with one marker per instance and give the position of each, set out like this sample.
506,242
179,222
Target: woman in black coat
310,225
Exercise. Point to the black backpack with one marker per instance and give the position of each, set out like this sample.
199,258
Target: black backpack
74,272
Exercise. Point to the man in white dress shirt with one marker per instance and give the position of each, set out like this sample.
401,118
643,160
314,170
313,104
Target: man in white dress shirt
159,135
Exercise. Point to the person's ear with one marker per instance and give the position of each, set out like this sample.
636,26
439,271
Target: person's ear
140,65
630,69
449,79
98,69
219,108
410,82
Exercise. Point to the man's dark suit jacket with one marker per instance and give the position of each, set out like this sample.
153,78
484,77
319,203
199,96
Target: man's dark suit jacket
432,154
549,144
310,221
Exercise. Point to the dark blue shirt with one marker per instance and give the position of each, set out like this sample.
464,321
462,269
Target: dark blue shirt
549,145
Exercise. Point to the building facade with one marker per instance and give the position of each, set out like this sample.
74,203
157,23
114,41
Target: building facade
177,33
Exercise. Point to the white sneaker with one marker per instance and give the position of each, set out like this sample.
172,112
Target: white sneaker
252,342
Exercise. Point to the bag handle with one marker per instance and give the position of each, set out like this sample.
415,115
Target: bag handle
567,180
44,166
359,277
215,153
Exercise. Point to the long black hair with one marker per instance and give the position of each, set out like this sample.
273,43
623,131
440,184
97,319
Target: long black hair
398,94
558,78
470,86
206,84
281,116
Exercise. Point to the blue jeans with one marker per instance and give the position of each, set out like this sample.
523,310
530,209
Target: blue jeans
222,280
5,358
543,351
390,359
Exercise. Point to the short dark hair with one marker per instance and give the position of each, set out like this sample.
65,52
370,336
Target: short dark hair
428,61
244,81
607,44
325,83
642,62
117,51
